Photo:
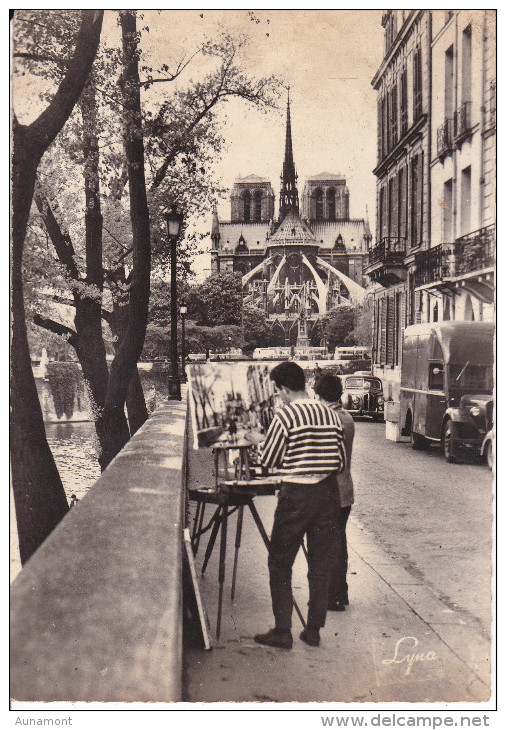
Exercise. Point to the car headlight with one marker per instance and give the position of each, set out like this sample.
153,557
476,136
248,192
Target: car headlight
474,411
355,400
381,400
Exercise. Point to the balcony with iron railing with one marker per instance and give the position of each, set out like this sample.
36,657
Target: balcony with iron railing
472,254
432,265
462,122
390,249
445,138
475,251
386,261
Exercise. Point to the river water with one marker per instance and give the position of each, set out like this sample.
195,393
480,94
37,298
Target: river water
74,444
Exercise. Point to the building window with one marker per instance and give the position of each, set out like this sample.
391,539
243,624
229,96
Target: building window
401,203
448,211
380,129
404,102
390,29
449,75
393,124
465,201
258,206
318,204
417,84
415,201
331,204
247,206
466,65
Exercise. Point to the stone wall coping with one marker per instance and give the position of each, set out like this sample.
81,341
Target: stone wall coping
96,613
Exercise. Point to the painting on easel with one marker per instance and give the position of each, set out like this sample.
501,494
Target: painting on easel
227,399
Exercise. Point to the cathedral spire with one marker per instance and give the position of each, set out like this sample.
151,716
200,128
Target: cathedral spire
289,196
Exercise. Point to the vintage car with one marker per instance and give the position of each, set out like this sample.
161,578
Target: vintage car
363,395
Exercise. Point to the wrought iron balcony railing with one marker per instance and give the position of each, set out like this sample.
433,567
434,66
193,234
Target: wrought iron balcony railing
432,265
390,250
462,121
445,137
475,251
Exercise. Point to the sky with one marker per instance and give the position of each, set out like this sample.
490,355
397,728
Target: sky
328,58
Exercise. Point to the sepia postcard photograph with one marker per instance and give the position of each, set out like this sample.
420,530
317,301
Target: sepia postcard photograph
253,366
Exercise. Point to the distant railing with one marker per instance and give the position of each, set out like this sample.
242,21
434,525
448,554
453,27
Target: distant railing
475,251
390,249
462,121
444,137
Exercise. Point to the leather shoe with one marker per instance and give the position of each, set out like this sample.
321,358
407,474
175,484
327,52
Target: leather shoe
336,606
280,638
311,636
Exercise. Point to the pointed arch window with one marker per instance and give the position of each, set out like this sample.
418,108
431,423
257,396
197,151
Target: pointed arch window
331,204
257,207
247,206
318,196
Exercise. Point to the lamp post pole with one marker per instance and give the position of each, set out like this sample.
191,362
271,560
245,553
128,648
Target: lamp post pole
183,309
173,220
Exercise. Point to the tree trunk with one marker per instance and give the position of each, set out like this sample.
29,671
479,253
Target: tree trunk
130,349
135,401
38,492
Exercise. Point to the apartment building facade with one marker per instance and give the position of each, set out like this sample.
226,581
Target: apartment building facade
435,241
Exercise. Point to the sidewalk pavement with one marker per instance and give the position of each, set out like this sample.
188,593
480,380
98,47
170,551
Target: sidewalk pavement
396,642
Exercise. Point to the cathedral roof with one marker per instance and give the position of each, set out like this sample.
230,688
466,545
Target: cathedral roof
252,179
293,230
327,176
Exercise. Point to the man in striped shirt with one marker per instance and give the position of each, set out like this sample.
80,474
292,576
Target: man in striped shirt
305,443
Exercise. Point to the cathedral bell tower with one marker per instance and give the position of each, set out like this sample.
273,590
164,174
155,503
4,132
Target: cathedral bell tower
289,196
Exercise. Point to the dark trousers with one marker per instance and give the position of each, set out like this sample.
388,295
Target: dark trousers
338,587
311,510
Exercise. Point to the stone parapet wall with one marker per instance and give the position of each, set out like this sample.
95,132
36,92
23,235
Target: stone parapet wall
96,613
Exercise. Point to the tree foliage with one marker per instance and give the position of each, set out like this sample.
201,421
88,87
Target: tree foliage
336,325
216,301
255,327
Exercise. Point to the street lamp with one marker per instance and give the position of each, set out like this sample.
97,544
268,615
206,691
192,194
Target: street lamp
183,309
173,220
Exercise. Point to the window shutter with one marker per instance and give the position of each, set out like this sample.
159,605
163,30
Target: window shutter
404,102
383,330
380,130
394,115
418,312
394,211
390,328
420,197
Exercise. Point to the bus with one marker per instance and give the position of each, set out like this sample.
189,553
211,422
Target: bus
345,355
271,353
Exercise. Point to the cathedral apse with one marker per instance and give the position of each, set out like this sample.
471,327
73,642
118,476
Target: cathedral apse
304,264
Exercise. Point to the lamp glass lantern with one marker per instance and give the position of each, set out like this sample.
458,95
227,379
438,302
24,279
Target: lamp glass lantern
174,221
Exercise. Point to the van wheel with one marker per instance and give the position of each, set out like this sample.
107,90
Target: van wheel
417,442
449,442
489,455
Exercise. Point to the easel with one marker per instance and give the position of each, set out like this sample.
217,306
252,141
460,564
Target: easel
230,495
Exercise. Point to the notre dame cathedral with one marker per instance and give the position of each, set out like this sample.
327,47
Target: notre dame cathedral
298,267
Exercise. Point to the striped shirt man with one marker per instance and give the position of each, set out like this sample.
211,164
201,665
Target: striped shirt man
305,441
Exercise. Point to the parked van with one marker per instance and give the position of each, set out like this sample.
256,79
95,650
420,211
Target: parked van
446,385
